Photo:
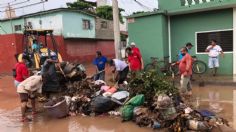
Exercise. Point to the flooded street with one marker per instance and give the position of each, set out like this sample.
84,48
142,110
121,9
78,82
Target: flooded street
10,114
10,118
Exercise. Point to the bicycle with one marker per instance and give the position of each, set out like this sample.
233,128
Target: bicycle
162,66
199,66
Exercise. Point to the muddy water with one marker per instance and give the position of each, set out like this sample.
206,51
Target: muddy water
42,123
10,114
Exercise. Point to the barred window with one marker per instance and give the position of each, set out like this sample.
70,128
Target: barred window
17,27
86,24
223,38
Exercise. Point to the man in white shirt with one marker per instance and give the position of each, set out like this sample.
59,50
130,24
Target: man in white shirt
121,70
214,51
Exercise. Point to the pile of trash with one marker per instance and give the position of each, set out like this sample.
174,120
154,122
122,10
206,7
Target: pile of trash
148,100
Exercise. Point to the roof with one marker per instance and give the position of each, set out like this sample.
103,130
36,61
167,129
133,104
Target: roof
187,10
50,11
145,14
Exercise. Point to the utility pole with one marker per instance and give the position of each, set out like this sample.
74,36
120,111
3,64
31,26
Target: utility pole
116,23
9,9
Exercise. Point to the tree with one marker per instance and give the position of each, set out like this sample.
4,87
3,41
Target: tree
105,12
81,5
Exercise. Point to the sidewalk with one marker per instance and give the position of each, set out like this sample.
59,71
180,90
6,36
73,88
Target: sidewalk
220,80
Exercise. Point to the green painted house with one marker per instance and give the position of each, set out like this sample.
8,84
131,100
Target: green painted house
164,32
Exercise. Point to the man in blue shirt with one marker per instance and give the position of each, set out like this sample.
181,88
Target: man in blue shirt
100,62
188,46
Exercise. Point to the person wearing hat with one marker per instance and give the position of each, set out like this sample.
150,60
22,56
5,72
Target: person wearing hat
134,48
188,46
100,63
20,72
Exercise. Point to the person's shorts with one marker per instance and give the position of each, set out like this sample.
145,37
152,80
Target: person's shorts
123,75
24,97
213,62
16,83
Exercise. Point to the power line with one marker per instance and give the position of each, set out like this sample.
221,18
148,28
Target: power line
8,2
42,1
142,5
15,4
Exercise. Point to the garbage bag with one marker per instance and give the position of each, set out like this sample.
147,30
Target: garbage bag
102,104
127,112
121,95
136,100
50,77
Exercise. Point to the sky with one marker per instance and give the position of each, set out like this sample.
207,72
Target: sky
130,6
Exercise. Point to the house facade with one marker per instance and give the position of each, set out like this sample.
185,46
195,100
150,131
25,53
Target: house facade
164,32
77,33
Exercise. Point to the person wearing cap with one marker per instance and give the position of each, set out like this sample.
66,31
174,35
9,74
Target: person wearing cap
21,71
188,46
135,60
134,48
100,63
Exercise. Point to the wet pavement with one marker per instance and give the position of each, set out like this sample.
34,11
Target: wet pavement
10,113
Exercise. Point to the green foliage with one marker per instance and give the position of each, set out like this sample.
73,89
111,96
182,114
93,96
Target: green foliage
150,84
105,12
81,5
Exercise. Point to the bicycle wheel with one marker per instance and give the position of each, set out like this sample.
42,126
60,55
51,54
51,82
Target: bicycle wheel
162,69
199,67
150,67
174,69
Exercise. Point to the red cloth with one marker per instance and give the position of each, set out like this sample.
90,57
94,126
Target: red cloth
135,61
136,49
186,65
21,71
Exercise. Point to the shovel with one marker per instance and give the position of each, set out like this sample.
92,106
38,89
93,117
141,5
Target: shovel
91,77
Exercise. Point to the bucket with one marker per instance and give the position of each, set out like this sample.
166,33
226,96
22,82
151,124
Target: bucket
58,110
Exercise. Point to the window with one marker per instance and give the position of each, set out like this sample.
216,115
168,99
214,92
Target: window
223,38
104,24
86,24
17,27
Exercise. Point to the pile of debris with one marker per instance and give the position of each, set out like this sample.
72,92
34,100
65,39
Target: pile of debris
148,100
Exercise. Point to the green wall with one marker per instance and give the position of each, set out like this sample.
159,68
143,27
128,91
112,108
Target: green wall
73,25
6,26
150,35
184,27
176,6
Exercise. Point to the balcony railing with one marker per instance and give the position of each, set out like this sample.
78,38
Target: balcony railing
195,2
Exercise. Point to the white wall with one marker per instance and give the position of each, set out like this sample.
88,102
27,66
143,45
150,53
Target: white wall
48,22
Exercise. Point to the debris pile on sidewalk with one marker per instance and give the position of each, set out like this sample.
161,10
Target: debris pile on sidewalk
148,100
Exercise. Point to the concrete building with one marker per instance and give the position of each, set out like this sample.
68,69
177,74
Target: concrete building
164,32
78,34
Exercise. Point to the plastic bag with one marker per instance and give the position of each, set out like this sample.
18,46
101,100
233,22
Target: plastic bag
136,100
127,112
